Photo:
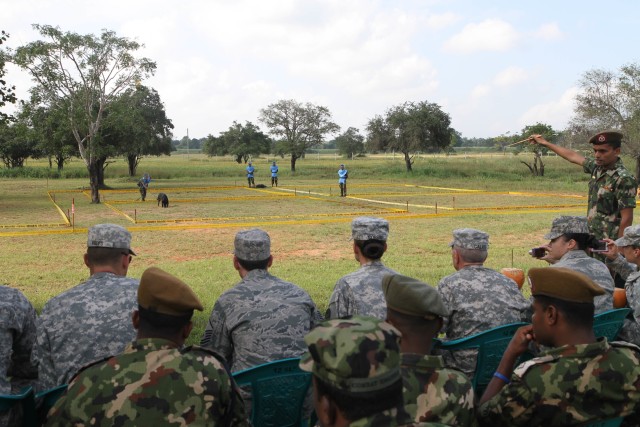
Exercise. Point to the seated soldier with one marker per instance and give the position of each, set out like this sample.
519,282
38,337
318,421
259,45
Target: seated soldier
580,379
431,391
355,366
155,381
569,241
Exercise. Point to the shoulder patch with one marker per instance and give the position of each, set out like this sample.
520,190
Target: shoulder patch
522,368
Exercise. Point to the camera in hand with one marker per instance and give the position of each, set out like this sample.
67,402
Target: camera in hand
537,252
599,246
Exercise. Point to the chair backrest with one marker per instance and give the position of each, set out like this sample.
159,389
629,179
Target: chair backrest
25,399
609,323
612,422
491,345
278,392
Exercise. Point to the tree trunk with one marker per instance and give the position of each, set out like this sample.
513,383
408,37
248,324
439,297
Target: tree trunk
638,169
93,169
60,163
294,157
408,161
132,164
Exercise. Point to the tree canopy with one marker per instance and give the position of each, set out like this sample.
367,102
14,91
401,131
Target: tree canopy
350,143
85,74
241,141
298,126
7,92
409,128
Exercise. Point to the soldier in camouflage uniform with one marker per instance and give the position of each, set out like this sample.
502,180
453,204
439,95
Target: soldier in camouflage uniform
431,391
580,379
569,239
355,366
93,319
17,338
612,188
155,381
262,318
477,297
360,292
624,259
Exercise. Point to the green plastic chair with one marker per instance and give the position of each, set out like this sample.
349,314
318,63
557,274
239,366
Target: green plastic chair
47,399
609,323
612,422
491,345
25,399
278,392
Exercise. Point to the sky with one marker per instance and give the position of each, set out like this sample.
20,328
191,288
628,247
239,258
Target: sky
493,66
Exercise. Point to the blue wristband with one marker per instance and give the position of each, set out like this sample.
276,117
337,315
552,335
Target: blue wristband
502,377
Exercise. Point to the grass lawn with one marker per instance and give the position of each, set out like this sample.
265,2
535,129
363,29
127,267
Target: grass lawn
309,225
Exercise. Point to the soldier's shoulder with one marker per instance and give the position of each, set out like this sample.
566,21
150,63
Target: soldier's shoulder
91,367
530,365
204,353
626,347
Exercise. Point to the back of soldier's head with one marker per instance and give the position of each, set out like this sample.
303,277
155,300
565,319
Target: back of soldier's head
252,248
472,245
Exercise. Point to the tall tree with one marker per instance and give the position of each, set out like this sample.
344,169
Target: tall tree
537,166
17,140
298,126
7,92
409,128
53,133
611,100
243,141
86,74
350,142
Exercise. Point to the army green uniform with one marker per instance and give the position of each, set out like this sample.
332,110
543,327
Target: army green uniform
570,385
131,390
610,191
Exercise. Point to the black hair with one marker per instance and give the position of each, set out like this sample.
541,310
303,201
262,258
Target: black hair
254,265
584,241
104,256
372,249
160,324
577,314
360,405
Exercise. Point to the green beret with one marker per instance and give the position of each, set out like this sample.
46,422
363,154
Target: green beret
413,297
563,283
163,293
356,355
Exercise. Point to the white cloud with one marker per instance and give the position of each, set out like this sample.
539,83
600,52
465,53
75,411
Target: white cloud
556,112
488,35
480,90
440,21
510,76
550,31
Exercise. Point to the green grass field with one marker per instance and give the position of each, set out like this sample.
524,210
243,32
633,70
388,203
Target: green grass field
309,225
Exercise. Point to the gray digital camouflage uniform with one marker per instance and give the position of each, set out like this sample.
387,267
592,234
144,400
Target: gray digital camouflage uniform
360,293
17,338
88,322
153,383
570,385
479,299
260,320
631,328
596,270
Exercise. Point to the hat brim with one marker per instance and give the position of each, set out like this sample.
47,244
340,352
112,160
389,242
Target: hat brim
552,235
623,241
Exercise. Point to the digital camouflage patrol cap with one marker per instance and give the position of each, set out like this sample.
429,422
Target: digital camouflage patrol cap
469,238
109,236
356,355
252,245
631,237
163,293
563,283
369,228
413,297
567,224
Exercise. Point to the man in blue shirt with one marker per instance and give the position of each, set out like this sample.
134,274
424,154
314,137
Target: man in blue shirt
274,174
343,174
250,170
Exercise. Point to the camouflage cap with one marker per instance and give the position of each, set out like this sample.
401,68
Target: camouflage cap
369,228
563,283
109,236
631,237
356,355
252,245
469,238
413,297
613,137
163,293
567,224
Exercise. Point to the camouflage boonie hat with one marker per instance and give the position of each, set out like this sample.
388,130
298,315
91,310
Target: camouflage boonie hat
567,224
631,237
469,238
109,236
356,355
369,228
252,245
413,297
163,293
